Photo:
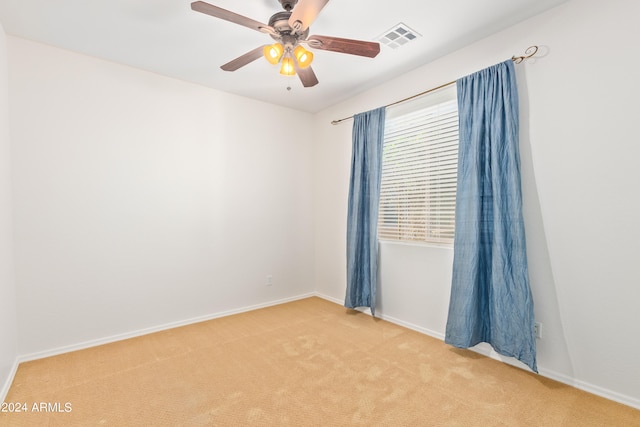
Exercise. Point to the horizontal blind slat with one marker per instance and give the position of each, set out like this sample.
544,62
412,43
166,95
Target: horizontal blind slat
419,173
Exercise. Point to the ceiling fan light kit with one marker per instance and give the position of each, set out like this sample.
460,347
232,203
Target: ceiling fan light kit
290,29
303,56
288,68
273,53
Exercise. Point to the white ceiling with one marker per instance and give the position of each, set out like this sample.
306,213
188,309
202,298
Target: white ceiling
168,38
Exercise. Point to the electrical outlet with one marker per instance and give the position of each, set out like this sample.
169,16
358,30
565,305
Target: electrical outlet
269,280
538,329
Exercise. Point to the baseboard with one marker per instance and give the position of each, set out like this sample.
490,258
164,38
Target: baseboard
564,379
328,298
390,319
488,352
7,384
412,326
146,331
590,388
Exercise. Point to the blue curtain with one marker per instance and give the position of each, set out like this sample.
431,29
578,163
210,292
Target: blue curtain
362,219
490,296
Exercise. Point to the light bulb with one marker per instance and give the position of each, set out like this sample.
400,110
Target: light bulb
287,68
273,53
303,56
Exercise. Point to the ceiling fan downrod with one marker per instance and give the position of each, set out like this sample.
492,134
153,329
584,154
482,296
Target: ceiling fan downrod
288,4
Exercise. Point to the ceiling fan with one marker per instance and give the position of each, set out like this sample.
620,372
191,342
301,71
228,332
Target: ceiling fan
290,30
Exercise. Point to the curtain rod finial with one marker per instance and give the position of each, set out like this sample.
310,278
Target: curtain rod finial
531,51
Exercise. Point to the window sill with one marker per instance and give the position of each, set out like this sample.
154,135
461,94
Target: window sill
418,244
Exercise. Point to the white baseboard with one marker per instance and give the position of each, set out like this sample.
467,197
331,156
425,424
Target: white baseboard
390,319
146,331
328,298
590,388
581,385
7,384
488,352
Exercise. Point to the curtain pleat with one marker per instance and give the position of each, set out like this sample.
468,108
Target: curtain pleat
362,217
491,298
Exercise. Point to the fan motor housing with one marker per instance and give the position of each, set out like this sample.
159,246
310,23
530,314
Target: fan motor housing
280,22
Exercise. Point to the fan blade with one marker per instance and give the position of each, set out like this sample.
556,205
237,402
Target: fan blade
217,12
243,60
307,76
305,13
352,47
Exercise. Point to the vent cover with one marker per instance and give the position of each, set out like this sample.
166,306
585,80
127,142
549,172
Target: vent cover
398,36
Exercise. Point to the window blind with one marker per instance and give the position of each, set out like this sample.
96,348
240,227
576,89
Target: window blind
419,170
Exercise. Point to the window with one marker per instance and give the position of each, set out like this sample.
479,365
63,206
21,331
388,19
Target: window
419,170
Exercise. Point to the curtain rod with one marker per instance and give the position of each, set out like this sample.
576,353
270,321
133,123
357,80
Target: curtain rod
531,51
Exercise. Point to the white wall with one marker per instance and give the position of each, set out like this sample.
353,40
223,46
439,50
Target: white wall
8,319
142,200
579,150
139,200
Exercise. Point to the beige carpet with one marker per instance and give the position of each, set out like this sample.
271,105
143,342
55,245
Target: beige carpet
305,363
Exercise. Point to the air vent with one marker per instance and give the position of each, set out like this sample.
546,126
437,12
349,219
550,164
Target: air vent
398,36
